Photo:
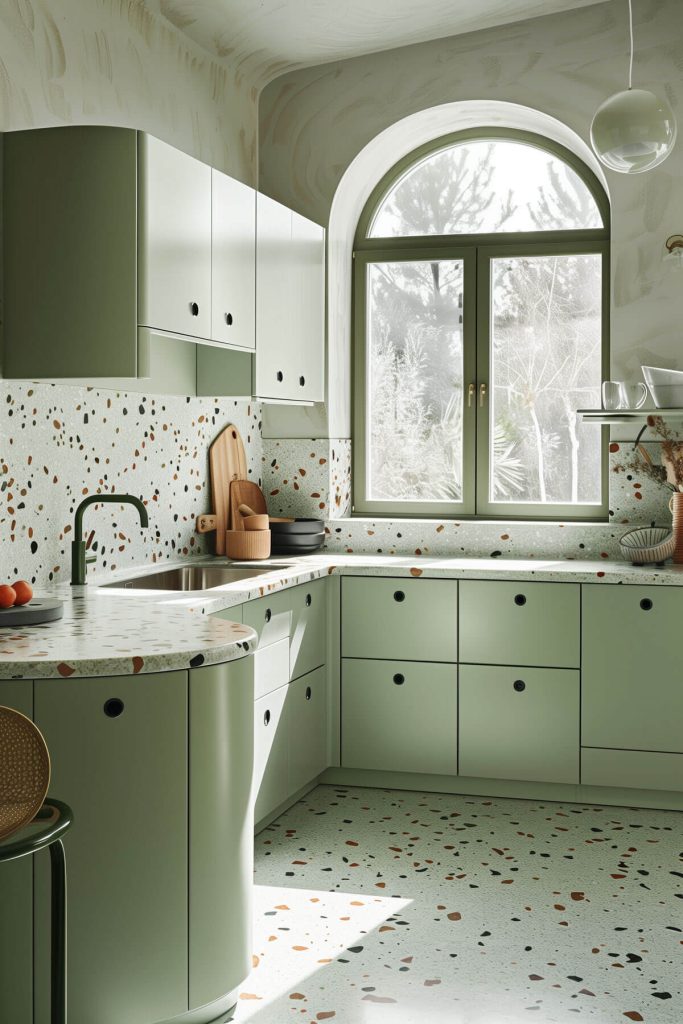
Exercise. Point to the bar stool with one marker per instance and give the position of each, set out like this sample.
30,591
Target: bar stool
35,823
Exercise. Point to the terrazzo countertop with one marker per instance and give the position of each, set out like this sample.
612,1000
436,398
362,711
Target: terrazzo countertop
128,632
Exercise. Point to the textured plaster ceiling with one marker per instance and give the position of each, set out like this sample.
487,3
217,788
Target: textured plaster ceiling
271,37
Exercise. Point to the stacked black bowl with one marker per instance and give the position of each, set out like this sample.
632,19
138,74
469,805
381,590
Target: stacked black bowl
297,537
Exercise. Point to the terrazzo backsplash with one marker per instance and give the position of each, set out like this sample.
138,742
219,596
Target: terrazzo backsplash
60,443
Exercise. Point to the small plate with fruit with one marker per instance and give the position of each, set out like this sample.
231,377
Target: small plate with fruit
18,606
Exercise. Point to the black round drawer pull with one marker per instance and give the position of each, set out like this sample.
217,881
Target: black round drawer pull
266,718
399,595
280,375
113,707
302,381
228,319
646,604
268,616
399,679
194,308
519,685
309,693
309,600
520,599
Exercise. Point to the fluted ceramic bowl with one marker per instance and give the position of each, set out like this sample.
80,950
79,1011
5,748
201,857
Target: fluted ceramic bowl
647,544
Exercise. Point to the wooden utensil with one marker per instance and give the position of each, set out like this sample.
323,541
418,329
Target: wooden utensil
205,524
227,462
251,521
245,492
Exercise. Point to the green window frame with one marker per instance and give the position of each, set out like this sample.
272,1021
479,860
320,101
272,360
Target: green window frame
476,251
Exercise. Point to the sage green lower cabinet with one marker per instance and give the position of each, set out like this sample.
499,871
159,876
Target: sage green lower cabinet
632,691
270,616
519,723
400,716
271,753
306,712
401,619
520,623
308,640
271,667
125,778
221,701
16,900
639,769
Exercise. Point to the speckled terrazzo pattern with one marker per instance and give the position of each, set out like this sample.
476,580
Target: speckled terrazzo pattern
59,443
308,478
383,906
634,498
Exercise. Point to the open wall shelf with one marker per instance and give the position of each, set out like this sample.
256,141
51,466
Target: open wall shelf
607,416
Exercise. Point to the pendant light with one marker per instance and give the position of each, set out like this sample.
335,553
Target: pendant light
633,130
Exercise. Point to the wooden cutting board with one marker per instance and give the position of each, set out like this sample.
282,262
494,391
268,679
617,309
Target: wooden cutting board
227,462
245,492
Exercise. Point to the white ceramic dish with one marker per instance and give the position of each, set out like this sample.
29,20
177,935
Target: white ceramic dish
666,386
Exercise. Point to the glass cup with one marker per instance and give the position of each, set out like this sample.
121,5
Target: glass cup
611,394
632,396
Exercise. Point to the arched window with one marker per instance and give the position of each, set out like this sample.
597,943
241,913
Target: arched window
481,310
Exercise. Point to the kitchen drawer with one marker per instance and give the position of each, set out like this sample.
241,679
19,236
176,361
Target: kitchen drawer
400,716
632,692
270,752
309,628
400,619
271,668
270,616
508,623
519,723
633,769
307,728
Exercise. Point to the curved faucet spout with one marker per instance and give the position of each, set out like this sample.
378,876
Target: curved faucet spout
78,559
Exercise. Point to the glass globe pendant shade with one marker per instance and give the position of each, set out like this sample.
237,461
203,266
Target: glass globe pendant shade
633,131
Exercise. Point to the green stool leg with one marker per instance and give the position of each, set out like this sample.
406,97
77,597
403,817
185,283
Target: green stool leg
58,982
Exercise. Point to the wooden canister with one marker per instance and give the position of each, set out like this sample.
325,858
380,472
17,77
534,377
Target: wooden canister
249,544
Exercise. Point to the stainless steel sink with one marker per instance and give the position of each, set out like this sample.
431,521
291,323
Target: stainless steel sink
193,577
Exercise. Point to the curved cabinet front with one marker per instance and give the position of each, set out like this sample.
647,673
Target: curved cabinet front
157,769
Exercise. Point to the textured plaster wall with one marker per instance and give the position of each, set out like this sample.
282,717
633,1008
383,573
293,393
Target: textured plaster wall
315,122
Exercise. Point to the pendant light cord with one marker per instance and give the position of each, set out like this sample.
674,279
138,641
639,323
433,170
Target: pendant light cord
630,25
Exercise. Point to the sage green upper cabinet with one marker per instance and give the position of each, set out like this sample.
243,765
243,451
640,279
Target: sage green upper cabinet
290,271
233,262
503,623
69,240
174,240
397,618
632,693
122,767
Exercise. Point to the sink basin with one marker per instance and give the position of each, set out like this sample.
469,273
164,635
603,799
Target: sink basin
192,577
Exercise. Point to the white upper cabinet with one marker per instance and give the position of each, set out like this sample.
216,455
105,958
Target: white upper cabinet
290,269
233,262
174,240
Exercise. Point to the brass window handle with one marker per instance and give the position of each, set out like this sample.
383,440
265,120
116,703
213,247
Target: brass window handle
482,395
471,388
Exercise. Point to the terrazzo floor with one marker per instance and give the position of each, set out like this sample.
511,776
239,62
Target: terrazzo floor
387,907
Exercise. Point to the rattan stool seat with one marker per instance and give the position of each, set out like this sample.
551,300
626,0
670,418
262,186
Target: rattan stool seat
24,770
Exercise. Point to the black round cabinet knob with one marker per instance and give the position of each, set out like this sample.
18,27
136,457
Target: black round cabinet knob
309,693
520,599
519,685
302,381
646,604
228,319
399,596
280,375
268,616
266,718
399,679
113,707
194,308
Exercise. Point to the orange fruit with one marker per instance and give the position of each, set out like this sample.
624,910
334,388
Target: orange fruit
7,596
23,590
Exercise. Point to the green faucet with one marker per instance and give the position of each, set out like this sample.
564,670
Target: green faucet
78,559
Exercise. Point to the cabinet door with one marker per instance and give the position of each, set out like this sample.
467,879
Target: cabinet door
402,619
16,900
270,616
221,710
632,693
308,641
505,623
307,728
174,240
519,723
400,716
271,753
308,321
275,370
125,778
233,262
